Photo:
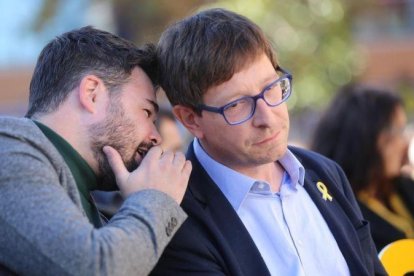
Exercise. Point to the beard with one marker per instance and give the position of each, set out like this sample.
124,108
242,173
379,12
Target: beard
119,132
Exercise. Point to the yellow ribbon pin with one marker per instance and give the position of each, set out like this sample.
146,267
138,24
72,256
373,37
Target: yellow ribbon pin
322,188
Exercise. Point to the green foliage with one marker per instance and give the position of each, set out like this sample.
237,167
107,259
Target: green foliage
312,39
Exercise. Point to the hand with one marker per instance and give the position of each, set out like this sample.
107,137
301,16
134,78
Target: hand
167,172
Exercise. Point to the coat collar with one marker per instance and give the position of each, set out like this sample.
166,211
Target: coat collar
338,213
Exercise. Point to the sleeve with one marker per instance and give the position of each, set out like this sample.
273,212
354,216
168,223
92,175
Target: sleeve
42,232
191,252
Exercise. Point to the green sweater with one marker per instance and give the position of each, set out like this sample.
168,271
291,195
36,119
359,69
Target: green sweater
85,178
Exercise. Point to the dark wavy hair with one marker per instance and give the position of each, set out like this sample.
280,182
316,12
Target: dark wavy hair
205,50
349,130
65,60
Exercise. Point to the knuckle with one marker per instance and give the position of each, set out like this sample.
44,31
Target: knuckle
168,154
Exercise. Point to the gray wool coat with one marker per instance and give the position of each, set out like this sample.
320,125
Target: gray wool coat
43,228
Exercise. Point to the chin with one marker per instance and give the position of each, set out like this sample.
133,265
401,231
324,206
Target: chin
132,165
267,158
278,151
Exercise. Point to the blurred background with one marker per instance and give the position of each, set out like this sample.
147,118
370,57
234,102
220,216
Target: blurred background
324,43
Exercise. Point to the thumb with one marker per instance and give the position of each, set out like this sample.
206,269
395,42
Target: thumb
116,163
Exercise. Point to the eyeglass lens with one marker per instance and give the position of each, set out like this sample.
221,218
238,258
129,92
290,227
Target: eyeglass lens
243,108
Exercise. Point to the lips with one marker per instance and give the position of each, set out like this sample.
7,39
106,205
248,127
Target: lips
142,151
268,139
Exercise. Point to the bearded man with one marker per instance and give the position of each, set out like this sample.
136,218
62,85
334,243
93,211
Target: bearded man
89,125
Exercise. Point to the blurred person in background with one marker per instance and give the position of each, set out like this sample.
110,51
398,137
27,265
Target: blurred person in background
363,131
90,126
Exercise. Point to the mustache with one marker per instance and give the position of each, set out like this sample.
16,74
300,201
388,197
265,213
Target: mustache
144,147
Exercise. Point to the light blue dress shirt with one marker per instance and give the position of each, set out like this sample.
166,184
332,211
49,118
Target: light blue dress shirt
287,227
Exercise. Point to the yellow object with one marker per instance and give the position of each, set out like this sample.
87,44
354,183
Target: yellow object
399,217
398,257
322,188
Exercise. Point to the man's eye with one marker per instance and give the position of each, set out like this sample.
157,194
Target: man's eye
149,113
233,105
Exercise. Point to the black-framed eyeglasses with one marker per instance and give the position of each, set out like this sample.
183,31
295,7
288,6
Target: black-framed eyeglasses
242,109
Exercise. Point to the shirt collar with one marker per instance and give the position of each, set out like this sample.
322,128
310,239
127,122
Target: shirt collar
293,167
234,185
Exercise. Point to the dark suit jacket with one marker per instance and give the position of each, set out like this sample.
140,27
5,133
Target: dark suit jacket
214,241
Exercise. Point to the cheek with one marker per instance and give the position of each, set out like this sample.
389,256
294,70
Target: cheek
282,111
399,149
143,131
212,126
141,126
282,117
224,137
393,158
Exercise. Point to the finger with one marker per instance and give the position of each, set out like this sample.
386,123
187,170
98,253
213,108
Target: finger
168,156
154,153
179,159
115,161
187,168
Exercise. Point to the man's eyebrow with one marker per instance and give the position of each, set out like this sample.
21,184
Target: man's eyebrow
154,104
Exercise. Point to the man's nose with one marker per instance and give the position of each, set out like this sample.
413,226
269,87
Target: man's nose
155,137
263,115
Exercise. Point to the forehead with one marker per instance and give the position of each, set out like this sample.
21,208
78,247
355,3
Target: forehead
249,79
139,87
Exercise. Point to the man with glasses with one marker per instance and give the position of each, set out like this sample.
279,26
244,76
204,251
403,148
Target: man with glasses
255,205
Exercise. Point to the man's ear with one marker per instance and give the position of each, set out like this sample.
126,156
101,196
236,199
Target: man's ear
189,118
91,90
